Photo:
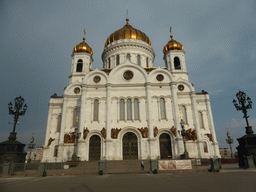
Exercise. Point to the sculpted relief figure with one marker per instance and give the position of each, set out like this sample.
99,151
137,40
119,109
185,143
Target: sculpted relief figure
86,131
70,137
209,135
155,131
50,141
114,133
144,132
190,135
103,132
173,130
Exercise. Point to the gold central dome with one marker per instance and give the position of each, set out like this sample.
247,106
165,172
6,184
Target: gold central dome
83,47
172,45
127,32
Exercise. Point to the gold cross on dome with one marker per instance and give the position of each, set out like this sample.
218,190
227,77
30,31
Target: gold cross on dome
171,30
181,116
84,33
76,118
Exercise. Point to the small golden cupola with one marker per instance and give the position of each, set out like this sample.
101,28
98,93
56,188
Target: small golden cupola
83,47
128,32
172,44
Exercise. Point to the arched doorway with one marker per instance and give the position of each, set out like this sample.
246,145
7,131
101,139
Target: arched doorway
165,146
130,146
94,148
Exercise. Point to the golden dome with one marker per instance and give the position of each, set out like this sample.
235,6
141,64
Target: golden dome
172,45
127,32
83,47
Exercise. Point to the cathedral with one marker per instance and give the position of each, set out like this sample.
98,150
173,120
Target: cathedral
129,109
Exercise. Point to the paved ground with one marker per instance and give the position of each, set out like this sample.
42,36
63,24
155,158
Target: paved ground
189,182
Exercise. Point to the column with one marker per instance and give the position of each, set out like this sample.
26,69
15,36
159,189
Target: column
149,110
49,122
108,110
196,123
176,117
212,129
82,110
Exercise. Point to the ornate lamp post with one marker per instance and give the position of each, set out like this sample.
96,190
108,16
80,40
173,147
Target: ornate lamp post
18,106
230,141
247,143
183,133
31,146
241,96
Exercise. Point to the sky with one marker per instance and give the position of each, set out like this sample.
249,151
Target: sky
37,39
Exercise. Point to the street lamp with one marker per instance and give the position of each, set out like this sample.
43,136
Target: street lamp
31,146
230,141
183,133
241,96
18,106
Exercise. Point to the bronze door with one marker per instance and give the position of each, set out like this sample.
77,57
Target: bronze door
94,148
165,146
130,146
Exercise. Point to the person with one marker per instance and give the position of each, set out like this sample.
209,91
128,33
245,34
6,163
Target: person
142,165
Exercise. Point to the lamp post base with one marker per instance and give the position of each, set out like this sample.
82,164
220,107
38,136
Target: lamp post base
12,136
185,155
248,130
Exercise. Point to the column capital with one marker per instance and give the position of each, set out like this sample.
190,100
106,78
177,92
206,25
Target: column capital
109,85
173,83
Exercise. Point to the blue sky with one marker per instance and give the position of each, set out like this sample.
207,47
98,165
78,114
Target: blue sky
37,38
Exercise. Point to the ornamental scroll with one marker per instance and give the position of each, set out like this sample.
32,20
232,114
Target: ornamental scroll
103,132
173,130
190,135
114,133
50,141
144,132
85,133
155,131
209,136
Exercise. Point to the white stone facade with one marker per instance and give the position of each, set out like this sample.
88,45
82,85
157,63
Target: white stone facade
139,102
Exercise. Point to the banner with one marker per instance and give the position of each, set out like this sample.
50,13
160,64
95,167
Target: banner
174,164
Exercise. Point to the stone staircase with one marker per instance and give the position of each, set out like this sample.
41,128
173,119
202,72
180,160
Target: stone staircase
118,166
123,166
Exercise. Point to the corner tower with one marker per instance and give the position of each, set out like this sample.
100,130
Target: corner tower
81,61
174,56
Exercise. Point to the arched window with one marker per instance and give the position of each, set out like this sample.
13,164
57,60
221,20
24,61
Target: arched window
96,110
177,63
201,121
147,62
205,147
109,63
138,59
122,113
55,152
129,109
162,107
79,66
184,113
58,123
117,60
136,109
128,56
76,117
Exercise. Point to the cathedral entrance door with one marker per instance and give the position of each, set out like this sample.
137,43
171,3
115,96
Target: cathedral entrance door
94,148
165,146
130,146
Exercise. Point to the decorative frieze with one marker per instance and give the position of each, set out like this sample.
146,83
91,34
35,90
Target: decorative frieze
50,141
144,132
103,132
155,131
190,135
209,136
174,131
114,133
85,133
